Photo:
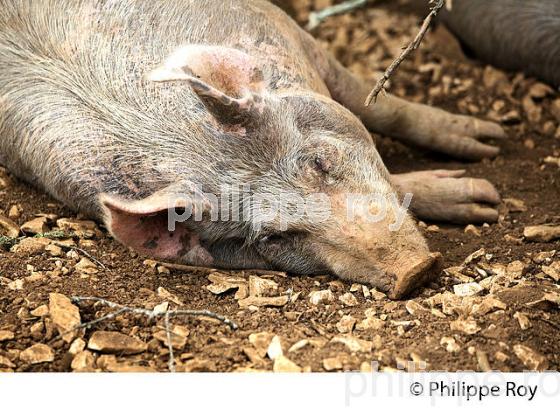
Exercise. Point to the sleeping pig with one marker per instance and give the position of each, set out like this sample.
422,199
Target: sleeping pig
195,130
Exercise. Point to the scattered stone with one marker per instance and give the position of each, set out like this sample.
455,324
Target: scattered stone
86,267
487,305
77,346
474,256
365,367
413,307
355,287
346,324
165,294
40,311
332,363
544,257
450,344
222,283
15,212
523,319
274,349
16,284
321,297
377,295
467,289
6,363
552,160
262,287
36,330
348,299
513,239
81,228
178,337
64,315
353,343
115,342
473,230
553,270
38,353
83,362
161,308
277,301
163,270
284,365
54,250
538,91
501,356
468,326
514,270
8,228
542,233
482,359
511,117
261,341
370,323
298,345
35,226
456,272
31,246
432,228
531,359
6,335
529,143
547,300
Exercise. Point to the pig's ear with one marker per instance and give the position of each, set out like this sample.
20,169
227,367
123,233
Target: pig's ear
144,225
227,80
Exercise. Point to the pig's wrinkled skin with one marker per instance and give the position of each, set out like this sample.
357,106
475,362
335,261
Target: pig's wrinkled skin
517,35
114,107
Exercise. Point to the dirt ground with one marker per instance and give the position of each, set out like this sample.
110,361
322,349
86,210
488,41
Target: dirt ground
498,310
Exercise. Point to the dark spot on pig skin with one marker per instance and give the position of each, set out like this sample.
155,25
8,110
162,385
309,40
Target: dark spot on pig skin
151,243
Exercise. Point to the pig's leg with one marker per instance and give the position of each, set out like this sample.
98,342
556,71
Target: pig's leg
417,124
438,195
442,195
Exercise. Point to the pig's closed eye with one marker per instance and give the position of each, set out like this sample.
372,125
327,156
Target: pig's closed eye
322,164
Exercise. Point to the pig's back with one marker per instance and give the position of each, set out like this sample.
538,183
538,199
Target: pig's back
76,114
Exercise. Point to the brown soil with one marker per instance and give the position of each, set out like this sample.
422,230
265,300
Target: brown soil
438,74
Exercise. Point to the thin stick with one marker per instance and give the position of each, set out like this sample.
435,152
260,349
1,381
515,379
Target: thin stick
317,17
89,256
151,314
434,10
171,362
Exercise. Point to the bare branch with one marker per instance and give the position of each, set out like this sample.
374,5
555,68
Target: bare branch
317,17
151,314
434,10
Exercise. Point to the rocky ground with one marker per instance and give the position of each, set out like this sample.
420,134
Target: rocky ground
496,305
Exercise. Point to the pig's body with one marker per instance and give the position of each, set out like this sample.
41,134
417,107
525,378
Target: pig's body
518,35
81,119
89,113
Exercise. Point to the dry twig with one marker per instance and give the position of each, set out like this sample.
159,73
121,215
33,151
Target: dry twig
317,17
437,5
150,314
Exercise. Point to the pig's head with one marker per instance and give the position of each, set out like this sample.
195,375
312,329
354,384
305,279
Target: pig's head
298,186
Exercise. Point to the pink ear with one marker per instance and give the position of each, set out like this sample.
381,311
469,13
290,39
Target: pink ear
228,76
143,226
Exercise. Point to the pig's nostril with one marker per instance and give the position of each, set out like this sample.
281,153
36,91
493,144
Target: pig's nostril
415,275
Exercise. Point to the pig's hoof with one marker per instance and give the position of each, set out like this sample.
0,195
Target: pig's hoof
459,135
443,195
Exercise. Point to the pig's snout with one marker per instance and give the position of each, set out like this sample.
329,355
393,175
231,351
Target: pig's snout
409,277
